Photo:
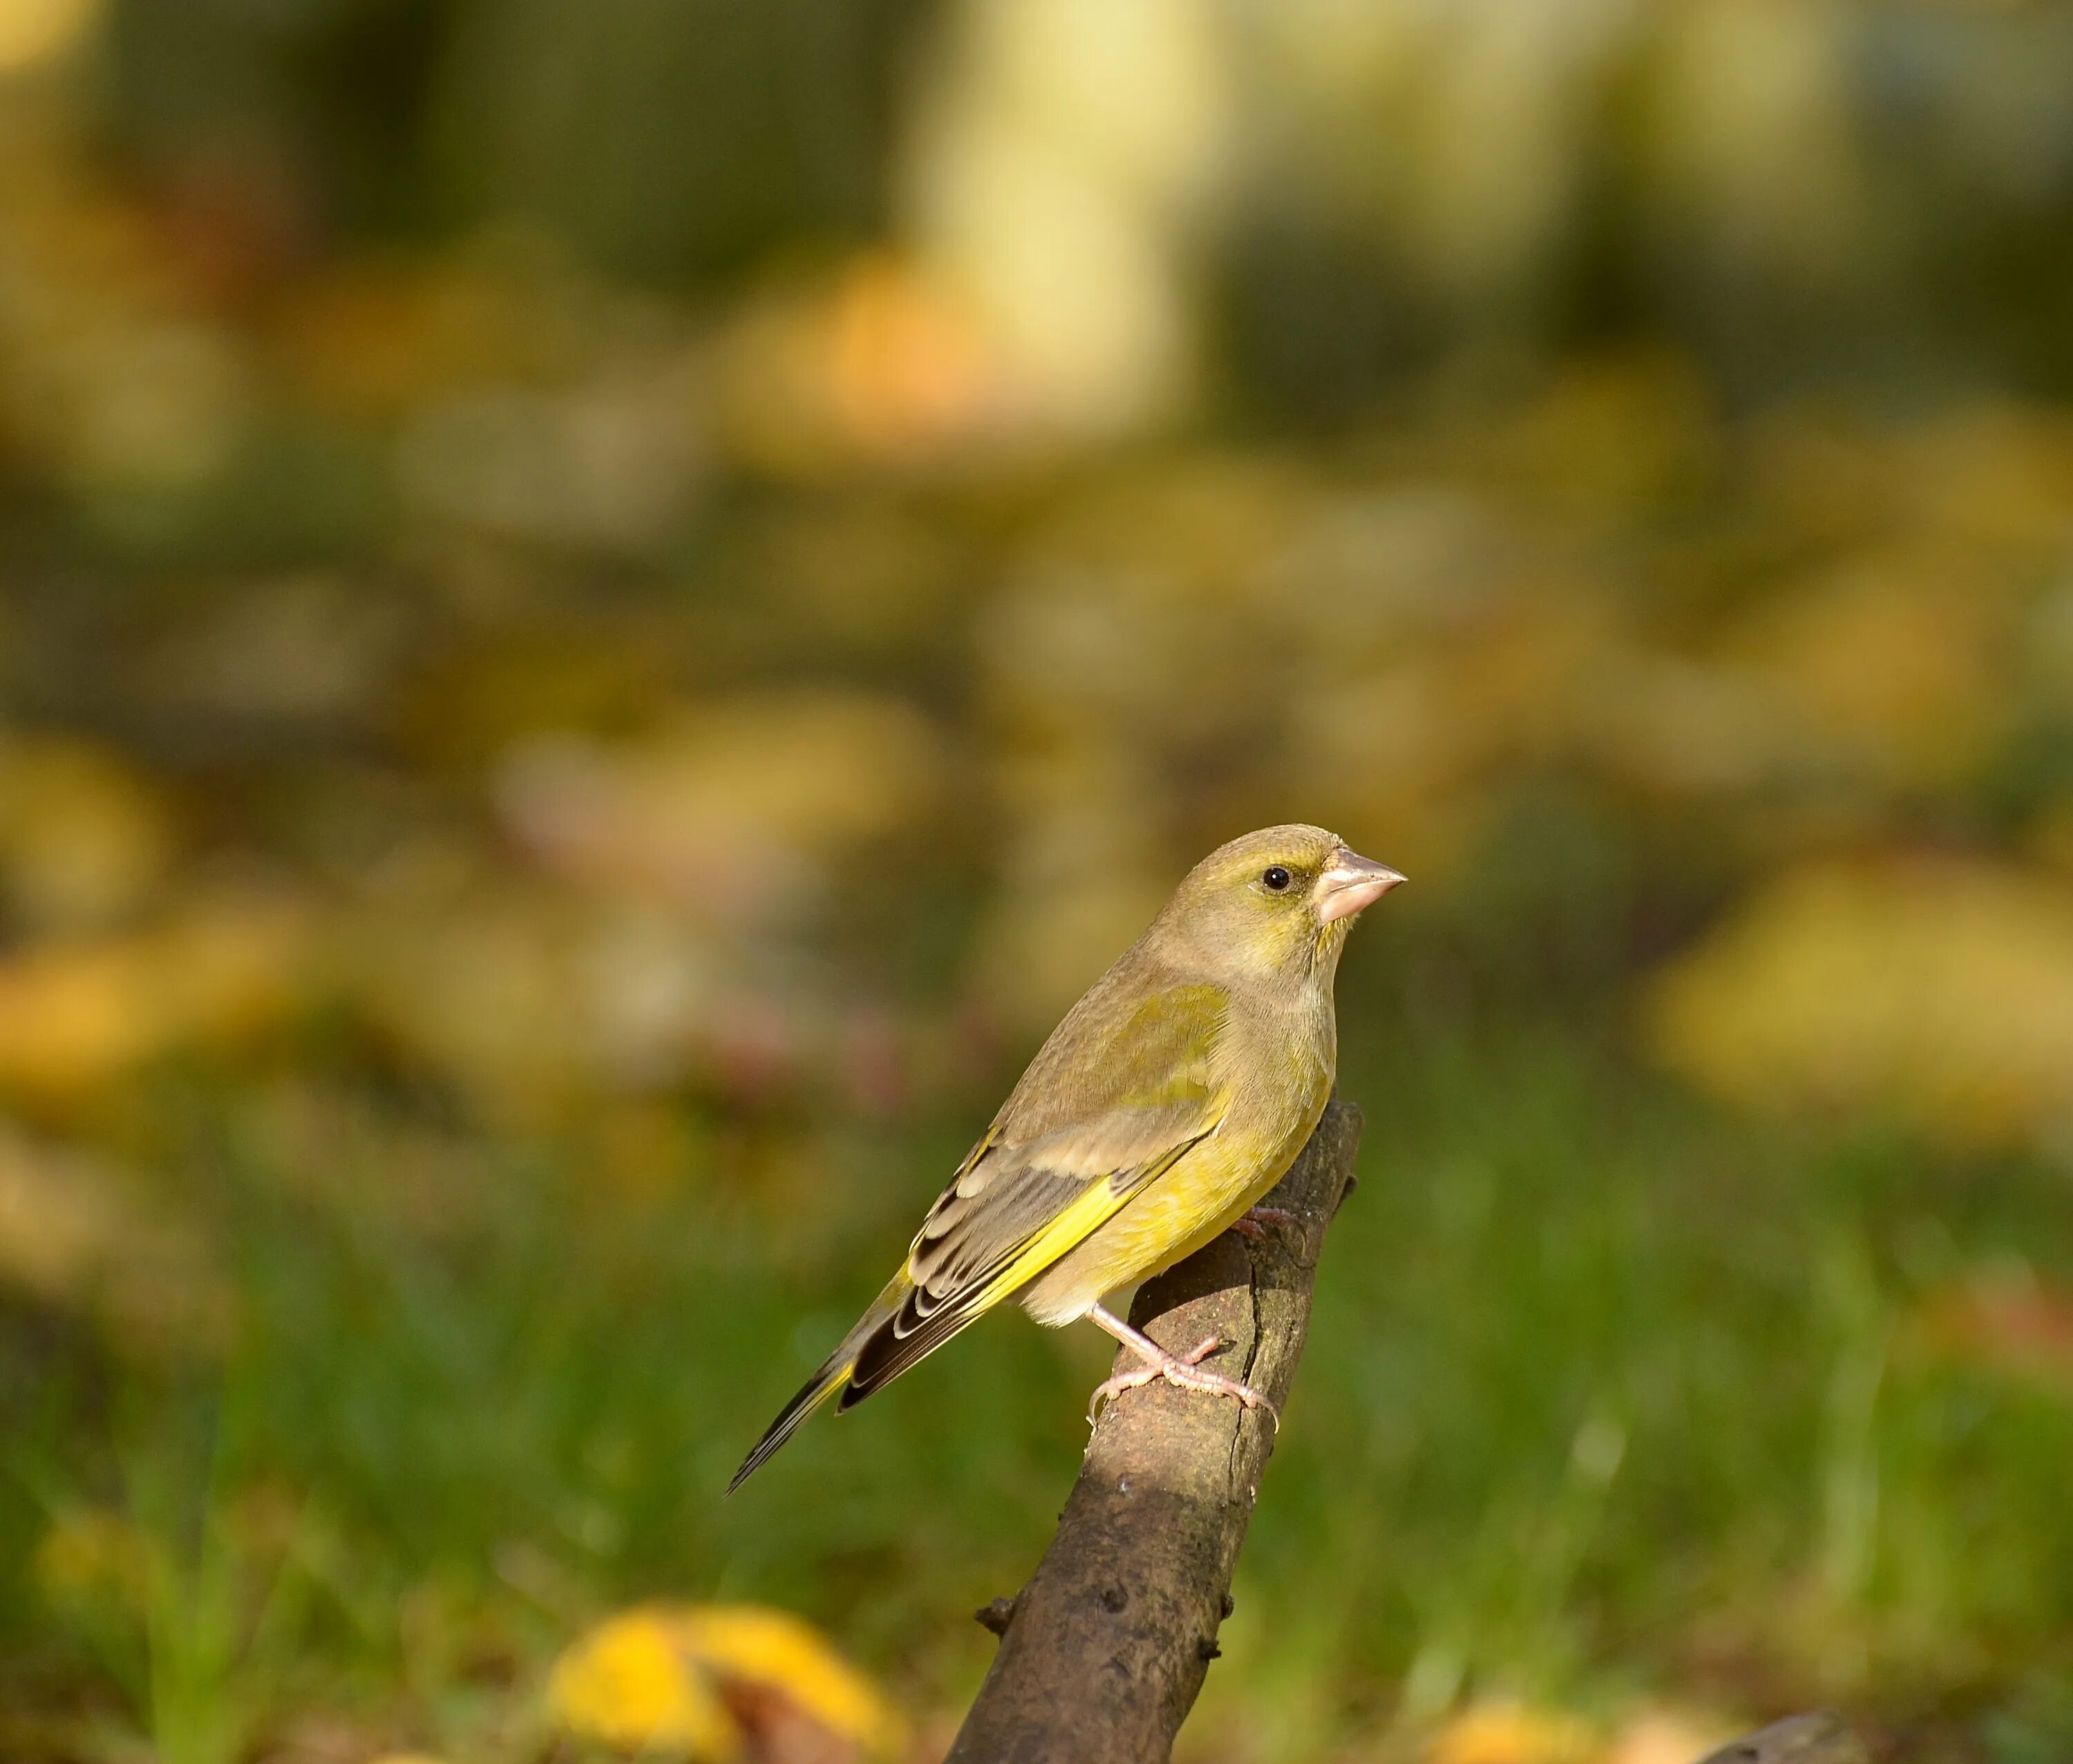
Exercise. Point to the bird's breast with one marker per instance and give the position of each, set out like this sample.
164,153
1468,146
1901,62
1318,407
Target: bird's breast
1276,1088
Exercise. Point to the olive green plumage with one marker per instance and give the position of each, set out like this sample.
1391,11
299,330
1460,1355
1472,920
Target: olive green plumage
1173,1095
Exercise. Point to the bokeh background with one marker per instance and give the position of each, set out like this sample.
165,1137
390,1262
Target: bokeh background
609,605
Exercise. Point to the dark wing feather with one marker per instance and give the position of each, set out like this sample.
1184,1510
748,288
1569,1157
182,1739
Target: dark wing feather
1141,1091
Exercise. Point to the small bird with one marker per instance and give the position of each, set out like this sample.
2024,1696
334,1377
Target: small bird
1171,1097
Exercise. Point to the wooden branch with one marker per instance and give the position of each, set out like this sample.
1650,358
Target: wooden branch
1103,1652
1819,1738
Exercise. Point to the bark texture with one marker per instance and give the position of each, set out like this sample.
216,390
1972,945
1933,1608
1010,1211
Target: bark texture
1104,1651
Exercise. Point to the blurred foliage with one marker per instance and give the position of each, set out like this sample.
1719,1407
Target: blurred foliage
720,1682
608,608
1944,995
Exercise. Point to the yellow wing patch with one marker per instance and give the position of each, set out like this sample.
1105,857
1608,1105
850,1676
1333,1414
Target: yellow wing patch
1069,1230
1077,1222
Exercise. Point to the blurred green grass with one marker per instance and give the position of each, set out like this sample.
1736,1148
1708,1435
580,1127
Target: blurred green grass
1606,1396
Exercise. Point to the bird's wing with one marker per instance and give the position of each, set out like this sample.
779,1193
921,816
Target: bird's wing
1059,1160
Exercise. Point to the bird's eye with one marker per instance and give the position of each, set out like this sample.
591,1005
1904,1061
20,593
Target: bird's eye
1275,877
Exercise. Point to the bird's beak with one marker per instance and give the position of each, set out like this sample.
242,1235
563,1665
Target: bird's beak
1352,884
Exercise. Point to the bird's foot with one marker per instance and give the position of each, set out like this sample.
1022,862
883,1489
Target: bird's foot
1252,1224
1184,1371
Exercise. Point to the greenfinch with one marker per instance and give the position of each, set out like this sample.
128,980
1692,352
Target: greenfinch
1172,1097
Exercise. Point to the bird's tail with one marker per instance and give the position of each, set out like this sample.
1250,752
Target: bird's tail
833,1374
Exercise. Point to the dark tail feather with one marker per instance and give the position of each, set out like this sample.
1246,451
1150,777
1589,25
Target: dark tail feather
872,1354
881,1356
815,1391
832,1375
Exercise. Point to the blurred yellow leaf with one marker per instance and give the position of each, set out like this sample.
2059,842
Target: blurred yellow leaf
82,838
77,1012
630,1683
716,1682
33,31
775,1651
1512,1733
72,1016
1938,993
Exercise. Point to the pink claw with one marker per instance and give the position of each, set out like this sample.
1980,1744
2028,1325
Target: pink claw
1183,1370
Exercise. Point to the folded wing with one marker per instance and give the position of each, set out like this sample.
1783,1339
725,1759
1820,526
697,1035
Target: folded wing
1118,1095
1113,1101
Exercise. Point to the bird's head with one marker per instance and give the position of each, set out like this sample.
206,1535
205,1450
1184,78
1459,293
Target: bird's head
1275,903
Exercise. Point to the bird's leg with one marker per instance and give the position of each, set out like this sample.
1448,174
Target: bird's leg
1251,1225
1183,1370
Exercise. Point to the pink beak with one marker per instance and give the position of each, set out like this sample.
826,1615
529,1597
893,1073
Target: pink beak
1351,884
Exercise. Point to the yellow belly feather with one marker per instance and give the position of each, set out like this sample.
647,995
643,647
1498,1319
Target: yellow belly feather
1207,1190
